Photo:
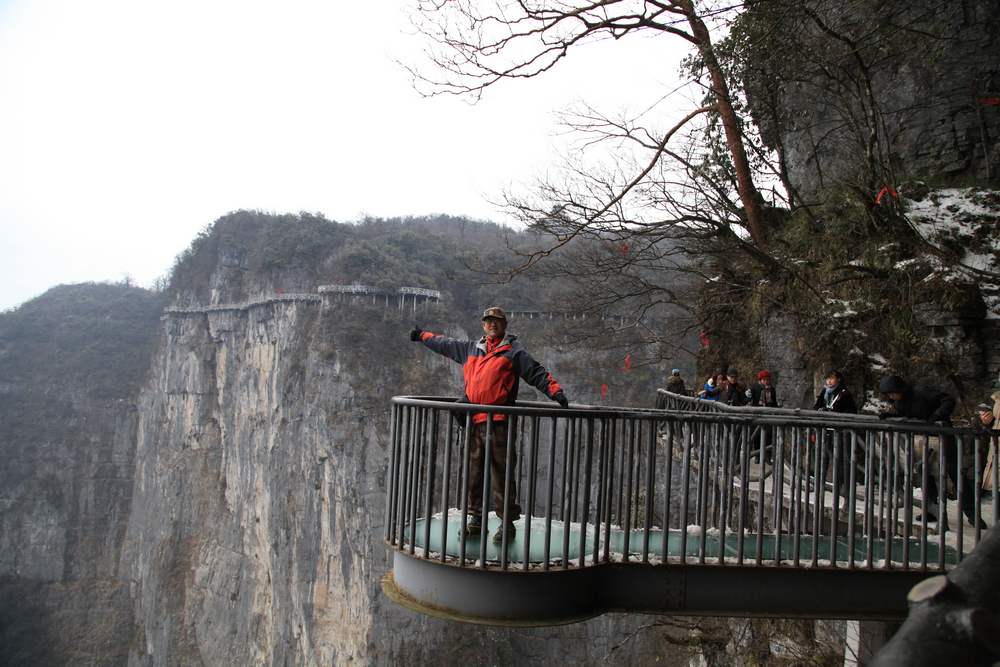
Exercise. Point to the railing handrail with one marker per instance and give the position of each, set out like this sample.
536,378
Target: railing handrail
809,418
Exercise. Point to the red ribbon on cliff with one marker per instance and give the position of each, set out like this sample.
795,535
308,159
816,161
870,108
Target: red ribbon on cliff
628,362
887,190
990,101
703,337
604,391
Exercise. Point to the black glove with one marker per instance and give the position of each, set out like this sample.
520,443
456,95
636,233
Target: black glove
415,334
560,398
885,415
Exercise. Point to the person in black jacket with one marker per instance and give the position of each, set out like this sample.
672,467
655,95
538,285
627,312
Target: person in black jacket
734,392
836,397
930,404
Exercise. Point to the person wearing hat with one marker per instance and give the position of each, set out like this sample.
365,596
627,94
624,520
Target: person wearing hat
492,367
929,404
675,383
763,392
734,392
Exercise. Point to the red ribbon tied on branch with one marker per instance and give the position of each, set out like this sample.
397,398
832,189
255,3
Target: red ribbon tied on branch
887,190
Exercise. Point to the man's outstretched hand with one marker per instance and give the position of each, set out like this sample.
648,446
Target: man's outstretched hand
561,399
415,334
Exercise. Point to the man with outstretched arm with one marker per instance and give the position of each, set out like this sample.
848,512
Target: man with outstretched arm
491,367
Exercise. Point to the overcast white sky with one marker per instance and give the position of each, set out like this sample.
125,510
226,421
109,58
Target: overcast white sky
128,125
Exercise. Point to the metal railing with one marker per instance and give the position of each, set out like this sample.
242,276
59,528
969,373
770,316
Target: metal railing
602,485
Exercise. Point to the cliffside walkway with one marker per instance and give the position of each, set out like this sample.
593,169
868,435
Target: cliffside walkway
401,298
685,508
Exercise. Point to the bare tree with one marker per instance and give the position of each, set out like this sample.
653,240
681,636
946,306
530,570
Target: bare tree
478,44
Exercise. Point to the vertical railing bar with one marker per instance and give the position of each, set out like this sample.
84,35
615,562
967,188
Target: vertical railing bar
704,434
883,477
567,491
758,559
576,457
959,489
487,495
712,487
870,498
688,440
835,505
796,522
390,500
977,488
667,488
726,487
637,475
446,489
995,445
819,495
852,500
778,489
622,494
942,510
507,500
547,546
532,482
924,479
602,451
650,489
585,511
890,535
564,480
613,441
744,489
429,491
519,481
463,487
419,454
908,500
627,544
406,446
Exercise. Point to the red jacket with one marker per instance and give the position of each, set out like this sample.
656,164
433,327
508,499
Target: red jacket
491,371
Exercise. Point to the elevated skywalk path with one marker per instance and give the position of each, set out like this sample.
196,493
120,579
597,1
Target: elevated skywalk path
667,510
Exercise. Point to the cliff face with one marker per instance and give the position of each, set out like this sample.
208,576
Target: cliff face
911,88
70,363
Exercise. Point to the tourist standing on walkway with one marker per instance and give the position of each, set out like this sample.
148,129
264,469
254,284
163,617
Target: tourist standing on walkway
675,383
491,367
930,404
735,392
836,397
711,390
764,393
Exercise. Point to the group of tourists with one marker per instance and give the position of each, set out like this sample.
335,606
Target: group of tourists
907,401
727,388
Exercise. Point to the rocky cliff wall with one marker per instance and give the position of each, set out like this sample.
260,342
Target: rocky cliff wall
916,84
70,361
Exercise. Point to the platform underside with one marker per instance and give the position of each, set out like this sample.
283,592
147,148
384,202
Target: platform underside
534,598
